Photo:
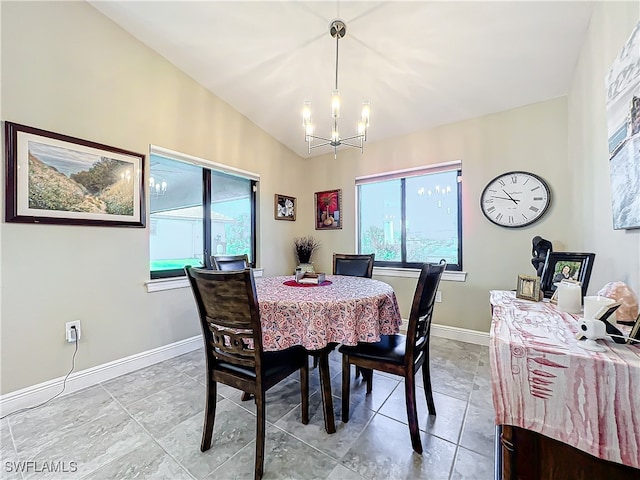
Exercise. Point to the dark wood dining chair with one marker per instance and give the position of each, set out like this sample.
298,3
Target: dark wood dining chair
229,262
353,265
401,355
230,320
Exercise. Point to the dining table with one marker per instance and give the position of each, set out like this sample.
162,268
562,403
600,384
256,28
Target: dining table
341,310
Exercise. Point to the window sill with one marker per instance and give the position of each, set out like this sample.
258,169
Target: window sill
160,284
448,275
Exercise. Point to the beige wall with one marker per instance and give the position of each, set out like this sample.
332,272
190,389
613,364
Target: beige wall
617,251
68,69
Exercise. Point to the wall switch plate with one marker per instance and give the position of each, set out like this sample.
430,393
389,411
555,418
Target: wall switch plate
438,296
70,333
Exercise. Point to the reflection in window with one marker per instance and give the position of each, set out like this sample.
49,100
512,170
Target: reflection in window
411,218
182,233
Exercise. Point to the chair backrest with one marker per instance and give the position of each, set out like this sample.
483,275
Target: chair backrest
353,265
422,309
229,262
229,315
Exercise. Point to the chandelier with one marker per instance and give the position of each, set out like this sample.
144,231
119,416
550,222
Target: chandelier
337,29
157,188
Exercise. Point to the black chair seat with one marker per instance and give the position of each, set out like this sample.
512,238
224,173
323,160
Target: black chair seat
274,363
390,349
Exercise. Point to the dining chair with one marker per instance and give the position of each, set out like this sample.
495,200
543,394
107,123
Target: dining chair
353,265
229,262
230,321
401,355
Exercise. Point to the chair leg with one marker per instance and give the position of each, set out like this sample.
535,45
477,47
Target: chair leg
304,391
315,361
412,412
357,371
209,415
367,376
260,433
426,380
246,396
346,387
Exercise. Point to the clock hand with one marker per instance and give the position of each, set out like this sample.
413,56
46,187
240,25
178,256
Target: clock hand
510,197
505,198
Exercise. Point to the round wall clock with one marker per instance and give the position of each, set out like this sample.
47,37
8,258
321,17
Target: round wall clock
515,199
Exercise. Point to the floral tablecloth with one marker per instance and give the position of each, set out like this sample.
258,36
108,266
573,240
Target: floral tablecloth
348,311
544,382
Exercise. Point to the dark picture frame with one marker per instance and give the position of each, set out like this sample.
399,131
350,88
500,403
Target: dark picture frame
555,270
284,207
57,179
328,205
528,287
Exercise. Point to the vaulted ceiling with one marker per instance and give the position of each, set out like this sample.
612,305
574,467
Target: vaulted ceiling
420,63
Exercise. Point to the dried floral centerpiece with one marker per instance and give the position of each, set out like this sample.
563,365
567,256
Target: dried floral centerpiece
305,246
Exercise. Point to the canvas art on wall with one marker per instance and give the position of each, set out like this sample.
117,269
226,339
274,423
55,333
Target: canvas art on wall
54,178
623,129
328,210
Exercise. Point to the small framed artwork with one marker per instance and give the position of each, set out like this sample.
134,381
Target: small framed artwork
329,210
57,179
528,287
561,266
284,207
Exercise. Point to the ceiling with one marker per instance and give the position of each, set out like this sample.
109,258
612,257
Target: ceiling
421,64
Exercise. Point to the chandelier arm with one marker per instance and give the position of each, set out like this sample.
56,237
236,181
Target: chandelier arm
342,142
351,138
316,137
319,145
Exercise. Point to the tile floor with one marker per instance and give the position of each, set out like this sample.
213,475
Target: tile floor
148,424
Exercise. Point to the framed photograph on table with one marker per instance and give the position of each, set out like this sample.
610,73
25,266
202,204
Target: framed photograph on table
528,287
561,266
57,179
284,207
328,210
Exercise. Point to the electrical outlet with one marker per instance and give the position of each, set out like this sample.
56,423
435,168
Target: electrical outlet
438,296
71,333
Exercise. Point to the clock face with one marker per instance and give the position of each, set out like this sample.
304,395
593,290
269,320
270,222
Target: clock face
515,199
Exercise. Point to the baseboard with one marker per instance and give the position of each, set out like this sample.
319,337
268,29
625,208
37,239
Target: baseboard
42,392
454,333
461,334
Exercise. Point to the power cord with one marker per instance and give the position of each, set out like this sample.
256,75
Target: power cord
64,382
628,339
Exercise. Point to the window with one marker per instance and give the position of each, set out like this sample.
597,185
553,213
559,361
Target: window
197,209
412,217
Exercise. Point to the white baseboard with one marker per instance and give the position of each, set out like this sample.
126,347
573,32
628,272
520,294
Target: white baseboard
42,392
454,333
461,334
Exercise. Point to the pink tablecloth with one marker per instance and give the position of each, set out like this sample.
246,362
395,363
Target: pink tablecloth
350,310
544,382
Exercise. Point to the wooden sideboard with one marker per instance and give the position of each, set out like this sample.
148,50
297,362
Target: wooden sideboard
563,413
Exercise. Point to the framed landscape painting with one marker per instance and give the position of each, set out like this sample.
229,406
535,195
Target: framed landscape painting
57,179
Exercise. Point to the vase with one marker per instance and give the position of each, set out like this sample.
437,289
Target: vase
307,267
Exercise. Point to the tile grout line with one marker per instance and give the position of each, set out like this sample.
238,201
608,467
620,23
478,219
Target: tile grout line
152,437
